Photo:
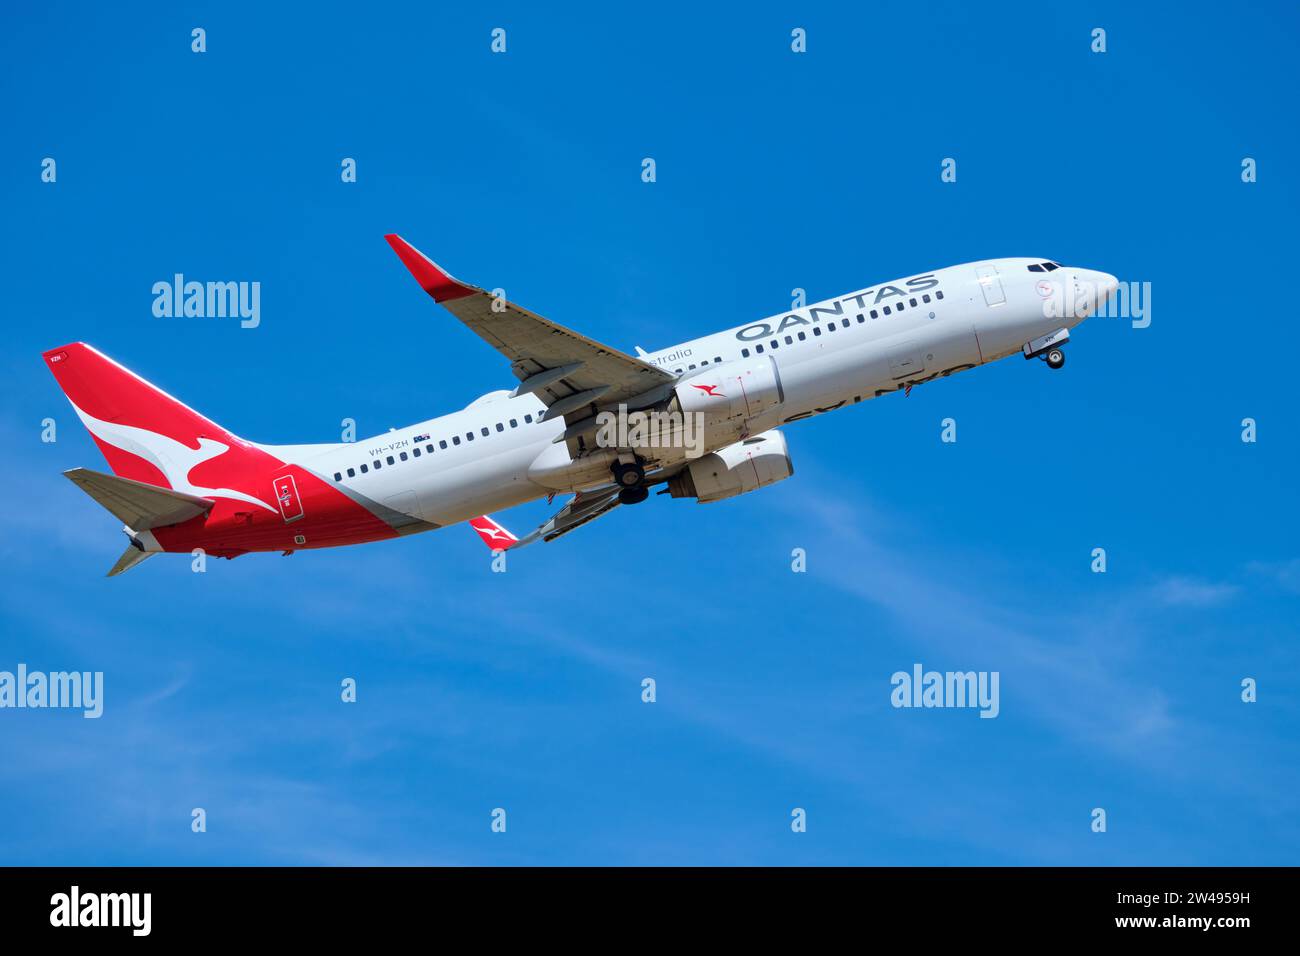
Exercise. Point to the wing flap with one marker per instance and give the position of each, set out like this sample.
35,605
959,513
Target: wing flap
583,507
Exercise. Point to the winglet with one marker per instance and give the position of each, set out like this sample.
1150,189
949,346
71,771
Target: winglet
428,273
495,535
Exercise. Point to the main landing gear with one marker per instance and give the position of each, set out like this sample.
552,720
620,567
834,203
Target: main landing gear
1048,348
630,478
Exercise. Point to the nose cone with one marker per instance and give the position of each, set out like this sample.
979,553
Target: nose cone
1104,283
1108,283
1092,290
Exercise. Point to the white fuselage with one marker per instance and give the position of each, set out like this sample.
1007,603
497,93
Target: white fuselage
828,354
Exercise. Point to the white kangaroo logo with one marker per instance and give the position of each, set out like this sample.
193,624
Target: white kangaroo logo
174,459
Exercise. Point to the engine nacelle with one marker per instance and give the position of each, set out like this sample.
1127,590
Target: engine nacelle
740,390
733,470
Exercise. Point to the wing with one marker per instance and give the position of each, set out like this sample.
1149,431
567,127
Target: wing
585,506
568,372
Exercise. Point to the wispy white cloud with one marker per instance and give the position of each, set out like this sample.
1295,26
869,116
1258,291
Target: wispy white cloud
1285,574
1180,591
1053,660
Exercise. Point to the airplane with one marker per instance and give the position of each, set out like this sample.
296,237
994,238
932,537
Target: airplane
180,482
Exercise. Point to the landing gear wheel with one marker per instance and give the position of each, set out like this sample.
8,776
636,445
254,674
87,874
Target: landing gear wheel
1055,358
628,476
633,496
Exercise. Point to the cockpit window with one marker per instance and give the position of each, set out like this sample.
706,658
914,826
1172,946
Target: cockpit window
1037,267
1044,267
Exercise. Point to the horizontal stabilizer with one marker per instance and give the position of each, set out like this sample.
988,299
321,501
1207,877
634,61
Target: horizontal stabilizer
138,505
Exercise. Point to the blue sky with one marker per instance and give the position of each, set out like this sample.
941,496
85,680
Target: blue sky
775,171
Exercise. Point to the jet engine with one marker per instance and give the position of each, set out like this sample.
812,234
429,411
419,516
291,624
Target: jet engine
740,390
753,463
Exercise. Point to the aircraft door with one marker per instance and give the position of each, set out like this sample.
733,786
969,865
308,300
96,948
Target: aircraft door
286,496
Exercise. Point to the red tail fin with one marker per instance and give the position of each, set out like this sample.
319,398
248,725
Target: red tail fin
147,435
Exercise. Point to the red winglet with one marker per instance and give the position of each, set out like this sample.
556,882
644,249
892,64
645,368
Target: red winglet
494,535
427,272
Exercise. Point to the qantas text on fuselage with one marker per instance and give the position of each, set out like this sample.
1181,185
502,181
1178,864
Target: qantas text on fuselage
180,482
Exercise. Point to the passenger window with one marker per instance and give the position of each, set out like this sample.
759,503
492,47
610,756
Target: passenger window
789,340
803,337
403,456
875,314
528,418
390,460
830,327
717,358
912,303
500,427
861,318
938,295
926,297
514,423
469,436
817,330
844,323
455,439
429,448
744,353
773,344
363,469
377,463
485,432
442,443
416,451
887,310
690,368
352,473
338,476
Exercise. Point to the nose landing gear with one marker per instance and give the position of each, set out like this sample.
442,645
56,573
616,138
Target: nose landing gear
1048,348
